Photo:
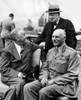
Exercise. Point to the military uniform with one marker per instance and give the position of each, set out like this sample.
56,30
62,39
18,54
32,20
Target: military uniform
63,68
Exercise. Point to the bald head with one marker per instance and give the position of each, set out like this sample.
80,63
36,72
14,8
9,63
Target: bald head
60,32
17,34
58,37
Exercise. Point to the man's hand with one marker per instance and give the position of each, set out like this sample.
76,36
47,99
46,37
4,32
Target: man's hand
20,75
44,81
42,44
50,82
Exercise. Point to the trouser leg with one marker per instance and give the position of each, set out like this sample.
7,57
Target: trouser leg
19,91
79,91
17,84
35,91
49,92
31,90
79,95
10,94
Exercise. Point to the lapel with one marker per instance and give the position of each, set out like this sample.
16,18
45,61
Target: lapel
14,51
23,53
49,29
59,23
25,49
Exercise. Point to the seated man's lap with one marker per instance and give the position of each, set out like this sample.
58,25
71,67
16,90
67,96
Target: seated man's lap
15,82
51,90
35,85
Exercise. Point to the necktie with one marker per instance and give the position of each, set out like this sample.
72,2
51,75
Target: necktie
54,25
56,50
22,49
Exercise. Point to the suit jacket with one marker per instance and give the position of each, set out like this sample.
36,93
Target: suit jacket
63,69
11,63
7,27
46,35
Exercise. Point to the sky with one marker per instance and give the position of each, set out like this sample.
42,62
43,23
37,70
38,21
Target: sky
33,9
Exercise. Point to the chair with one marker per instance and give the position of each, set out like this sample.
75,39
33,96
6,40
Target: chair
35,64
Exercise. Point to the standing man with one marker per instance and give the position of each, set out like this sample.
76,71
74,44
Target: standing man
15,64
56,22
7,26
59,72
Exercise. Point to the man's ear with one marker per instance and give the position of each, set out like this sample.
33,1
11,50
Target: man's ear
65,38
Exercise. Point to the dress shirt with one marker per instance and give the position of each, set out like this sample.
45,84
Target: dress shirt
18,47
56,23
56,50
59,50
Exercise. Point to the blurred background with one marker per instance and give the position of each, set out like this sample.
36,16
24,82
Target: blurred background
31,11
31,15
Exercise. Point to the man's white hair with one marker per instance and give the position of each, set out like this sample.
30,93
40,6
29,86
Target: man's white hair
15,33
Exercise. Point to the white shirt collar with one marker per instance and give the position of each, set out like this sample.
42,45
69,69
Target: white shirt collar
18,47
61,48
56,23
58,20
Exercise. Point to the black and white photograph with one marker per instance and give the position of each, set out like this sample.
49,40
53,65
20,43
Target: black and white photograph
40,49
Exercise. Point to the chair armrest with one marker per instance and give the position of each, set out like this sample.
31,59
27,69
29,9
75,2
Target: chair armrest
36,58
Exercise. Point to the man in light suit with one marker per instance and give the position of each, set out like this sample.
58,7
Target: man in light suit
15,64
7,26
56,22
59,72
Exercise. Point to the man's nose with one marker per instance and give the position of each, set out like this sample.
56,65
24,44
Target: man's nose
51,18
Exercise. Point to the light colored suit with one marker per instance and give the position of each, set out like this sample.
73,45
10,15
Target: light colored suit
7,27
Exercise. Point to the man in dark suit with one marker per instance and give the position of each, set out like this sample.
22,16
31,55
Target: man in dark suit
15,64
56,22
59,74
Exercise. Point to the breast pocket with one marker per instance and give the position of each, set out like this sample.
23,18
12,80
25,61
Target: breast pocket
62,64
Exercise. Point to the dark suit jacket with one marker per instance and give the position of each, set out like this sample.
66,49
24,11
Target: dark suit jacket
11,63
48,30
